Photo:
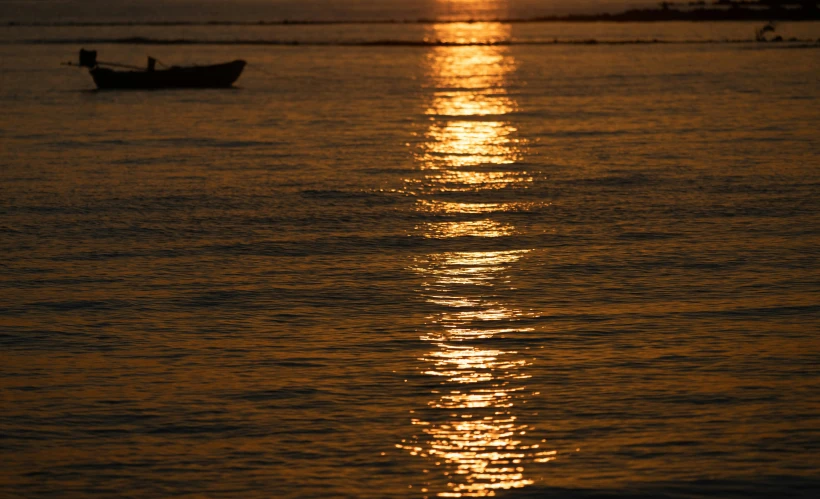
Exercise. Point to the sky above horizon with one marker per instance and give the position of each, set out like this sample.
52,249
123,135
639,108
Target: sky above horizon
271,10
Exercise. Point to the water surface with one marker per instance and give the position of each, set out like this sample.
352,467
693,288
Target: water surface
419,270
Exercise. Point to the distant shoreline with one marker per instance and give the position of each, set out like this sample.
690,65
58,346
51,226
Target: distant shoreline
629,16
694,15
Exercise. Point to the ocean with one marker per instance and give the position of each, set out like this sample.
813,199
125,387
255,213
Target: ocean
434,259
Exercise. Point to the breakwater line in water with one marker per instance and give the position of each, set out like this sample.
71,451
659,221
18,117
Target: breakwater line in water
138,40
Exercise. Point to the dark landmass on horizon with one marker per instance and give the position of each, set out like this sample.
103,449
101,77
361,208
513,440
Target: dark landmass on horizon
697,11
720,10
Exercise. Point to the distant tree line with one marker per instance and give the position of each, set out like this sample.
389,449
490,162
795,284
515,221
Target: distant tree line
716,10
768,4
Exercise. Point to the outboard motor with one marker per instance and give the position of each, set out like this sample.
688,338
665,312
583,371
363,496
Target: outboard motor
88,58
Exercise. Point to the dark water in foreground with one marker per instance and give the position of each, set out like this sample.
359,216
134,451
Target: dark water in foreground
528,270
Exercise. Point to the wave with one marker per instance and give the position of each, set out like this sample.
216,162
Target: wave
285,22
627,17
138,40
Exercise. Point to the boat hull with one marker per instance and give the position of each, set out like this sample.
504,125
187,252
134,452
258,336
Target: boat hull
214,76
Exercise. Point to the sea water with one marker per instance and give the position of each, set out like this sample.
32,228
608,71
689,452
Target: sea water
412,260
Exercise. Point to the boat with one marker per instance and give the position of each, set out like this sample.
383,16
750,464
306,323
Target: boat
212,76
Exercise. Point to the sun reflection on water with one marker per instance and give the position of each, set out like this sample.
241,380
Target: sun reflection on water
473,429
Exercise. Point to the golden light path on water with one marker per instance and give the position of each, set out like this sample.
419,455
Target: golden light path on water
472,431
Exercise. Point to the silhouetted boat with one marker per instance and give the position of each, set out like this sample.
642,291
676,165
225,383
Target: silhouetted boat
213,76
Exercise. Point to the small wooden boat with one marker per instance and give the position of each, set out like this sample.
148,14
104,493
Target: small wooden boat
213,76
